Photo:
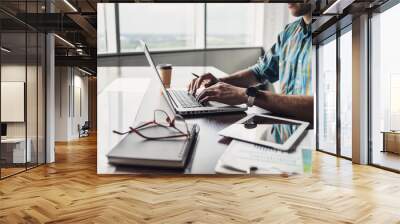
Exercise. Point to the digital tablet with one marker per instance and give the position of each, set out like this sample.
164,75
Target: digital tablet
275,132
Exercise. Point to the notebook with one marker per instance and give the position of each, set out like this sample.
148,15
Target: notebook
245,158
167,153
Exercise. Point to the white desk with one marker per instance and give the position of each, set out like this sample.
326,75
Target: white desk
125,99
17,146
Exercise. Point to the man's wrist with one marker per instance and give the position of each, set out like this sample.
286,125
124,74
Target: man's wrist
251,93
243,96
222,79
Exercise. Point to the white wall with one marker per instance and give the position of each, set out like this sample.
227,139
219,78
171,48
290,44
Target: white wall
33,126
79,117
15,72
69,82
61,103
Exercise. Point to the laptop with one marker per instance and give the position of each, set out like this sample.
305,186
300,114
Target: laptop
183,102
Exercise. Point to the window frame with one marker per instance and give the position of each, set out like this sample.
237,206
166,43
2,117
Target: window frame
107,29
343,31
202,35
338,27
336,36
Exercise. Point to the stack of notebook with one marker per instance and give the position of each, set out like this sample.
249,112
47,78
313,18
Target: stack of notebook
134,150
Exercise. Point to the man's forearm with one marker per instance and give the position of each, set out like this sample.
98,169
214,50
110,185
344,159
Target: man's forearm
244,78
296,106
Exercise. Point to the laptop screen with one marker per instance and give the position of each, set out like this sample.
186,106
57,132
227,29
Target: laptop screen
153,66
151,62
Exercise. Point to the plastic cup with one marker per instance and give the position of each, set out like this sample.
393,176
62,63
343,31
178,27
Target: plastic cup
307,160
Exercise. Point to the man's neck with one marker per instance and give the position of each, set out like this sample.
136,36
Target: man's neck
307,18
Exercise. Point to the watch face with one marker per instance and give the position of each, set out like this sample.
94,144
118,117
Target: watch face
251,91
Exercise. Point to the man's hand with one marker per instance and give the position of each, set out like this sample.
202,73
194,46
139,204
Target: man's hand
223,93
205,80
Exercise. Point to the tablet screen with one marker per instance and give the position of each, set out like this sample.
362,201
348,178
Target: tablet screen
261,128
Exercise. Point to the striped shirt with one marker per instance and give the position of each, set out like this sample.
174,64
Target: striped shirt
289,60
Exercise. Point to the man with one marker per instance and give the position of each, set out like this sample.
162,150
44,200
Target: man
289,61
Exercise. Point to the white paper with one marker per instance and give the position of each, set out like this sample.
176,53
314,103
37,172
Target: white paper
241,157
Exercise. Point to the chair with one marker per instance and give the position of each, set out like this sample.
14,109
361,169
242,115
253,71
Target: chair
84,130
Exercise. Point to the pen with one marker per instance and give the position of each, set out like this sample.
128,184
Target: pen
195,75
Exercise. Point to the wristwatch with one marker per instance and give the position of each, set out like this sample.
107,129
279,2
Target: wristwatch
251,92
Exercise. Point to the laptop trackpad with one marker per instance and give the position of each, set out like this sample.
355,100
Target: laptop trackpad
216,104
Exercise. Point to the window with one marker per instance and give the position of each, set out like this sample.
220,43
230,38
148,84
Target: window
394,101
385,87
178,26
233,25
161,26
335,106
106,33
346,94
326,107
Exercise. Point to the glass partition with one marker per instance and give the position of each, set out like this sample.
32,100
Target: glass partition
31,98
14,154
41,97
22,77
326,107
346,94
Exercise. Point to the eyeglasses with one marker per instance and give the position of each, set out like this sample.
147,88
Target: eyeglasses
161,119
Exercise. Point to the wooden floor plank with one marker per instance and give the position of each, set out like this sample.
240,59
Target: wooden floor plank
70,191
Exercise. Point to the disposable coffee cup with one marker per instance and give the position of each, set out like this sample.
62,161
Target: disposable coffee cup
165,71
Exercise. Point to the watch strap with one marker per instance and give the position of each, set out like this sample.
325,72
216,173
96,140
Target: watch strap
251,93
250,101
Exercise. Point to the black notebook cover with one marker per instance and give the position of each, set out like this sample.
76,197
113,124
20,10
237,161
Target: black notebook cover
167,153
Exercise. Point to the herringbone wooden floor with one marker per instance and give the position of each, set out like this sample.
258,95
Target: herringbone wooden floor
69,191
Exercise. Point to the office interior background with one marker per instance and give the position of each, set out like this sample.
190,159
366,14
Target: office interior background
356,39
48,82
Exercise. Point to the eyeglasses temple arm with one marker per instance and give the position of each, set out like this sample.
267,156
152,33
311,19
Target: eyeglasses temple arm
121,133
145,124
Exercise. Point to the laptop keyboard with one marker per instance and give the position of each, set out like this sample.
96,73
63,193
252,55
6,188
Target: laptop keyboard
186,99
